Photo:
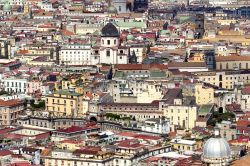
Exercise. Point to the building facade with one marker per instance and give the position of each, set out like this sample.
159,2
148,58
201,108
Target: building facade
10,111
65,102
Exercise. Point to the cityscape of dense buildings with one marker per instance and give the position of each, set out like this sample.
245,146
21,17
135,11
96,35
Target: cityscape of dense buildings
124,82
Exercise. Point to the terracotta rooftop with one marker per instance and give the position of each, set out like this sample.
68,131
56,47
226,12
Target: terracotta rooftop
246,90
186,64
10,103
5,152
73,129
140,66
232,58
130,143
147,137
244,161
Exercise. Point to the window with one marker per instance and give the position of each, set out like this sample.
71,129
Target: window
220,77
108,53
114,41
108,42
120,8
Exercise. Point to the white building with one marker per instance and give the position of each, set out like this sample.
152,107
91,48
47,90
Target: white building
222,2
45,5
75,54
161,126
12,97
15,85
110,51
138,50
120,5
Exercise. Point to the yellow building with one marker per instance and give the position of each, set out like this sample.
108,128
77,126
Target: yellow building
182,115
185,145
74,83
224,79
197,57
232,62
26,9
203,94
66,103
70,144
230,36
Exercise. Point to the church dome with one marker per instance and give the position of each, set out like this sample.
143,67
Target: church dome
216,148
112,10
109,30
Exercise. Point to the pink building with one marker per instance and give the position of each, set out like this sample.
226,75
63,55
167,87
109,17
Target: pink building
33,86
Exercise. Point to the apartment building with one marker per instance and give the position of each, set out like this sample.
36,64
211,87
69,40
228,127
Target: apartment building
224,79
203,94
9,111
232,62
75,54
33,86
65,103
182,116
16,85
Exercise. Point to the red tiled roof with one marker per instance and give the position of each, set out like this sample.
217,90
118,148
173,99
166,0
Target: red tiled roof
242,139
87,150
73,129
131,143
140,66
42,136
127,134
147,137
5,152
246,90
21,163
71,141
14,136
233,107
67,33
10,102
243,123
232,58
5,130
186,64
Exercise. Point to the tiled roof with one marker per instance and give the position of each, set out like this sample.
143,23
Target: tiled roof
87,150
147,137
243,123
73,129
126,134
186,64
232,58
246,90
10,102
42,136
5,152
131,143
5,130
140,66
